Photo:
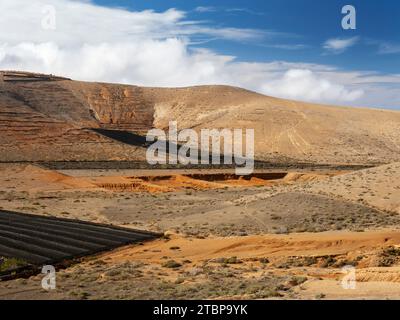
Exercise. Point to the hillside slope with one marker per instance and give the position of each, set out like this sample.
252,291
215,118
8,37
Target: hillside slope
50,119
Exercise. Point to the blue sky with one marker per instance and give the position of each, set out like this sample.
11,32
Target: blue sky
294,49
304,26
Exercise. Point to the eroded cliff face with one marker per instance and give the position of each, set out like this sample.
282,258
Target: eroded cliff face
81,103
50,118
119,107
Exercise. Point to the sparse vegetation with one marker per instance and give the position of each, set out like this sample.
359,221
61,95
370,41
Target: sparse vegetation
8,264
172,264
389,256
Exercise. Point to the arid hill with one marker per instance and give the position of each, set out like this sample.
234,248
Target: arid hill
51,118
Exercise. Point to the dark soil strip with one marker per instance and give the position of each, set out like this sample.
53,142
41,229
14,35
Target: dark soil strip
47,240
126,165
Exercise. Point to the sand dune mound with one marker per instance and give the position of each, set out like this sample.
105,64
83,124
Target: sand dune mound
33,178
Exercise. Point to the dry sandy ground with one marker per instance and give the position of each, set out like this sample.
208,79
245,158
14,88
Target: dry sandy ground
378,187
296,266
288,239
193,207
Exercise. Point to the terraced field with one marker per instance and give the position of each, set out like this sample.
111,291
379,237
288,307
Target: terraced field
41,240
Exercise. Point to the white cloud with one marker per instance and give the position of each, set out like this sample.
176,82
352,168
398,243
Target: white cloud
389,48
339,45
384,47
205,9
81,22
148,48
287,46
308,85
